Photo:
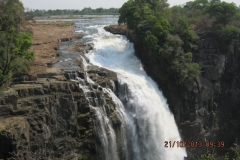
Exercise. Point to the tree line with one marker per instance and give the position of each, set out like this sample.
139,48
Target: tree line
15,42
84,11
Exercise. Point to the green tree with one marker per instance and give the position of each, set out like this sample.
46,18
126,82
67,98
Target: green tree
99,10
11,15
223,12
228,34
14,44
152,42
187,35
161,29
197,4
175,13
181,65
14,54
130,14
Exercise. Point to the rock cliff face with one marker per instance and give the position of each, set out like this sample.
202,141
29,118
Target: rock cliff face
52,117
208,110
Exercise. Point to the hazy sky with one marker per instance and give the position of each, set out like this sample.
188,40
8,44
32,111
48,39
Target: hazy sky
80,4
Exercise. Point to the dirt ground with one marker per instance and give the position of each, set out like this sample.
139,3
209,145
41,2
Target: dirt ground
46,41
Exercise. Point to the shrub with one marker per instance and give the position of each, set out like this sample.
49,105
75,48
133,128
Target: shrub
228,34
152,42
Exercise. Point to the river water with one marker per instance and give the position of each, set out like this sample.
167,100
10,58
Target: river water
148,122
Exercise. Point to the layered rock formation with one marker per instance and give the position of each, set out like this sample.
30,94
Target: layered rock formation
52,116
208,110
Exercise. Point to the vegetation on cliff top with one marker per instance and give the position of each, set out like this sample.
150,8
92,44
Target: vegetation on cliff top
170,33
14,42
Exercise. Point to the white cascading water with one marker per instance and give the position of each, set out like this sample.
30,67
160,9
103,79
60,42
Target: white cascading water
108,148
106,135
149,123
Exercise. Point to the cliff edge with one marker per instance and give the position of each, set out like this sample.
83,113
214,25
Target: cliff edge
206,111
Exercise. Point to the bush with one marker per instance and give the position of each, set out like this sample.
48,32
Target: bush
159,31
207,157
152,42
228,34
186,72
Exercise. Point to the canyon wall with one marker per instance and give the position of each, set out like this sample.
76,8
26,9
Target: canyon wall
52,116
208,110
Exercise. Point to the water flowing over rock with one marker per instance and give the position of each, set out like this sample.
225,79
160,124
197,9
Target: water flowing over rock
149,123
62,119
107,109
208,109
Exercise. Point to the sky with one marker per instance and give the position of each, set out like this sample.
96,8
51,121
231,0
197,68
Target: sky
80,4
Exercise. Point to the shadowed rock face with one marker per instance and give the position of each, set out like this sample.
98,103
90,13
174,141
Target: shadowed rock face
51,117
208,110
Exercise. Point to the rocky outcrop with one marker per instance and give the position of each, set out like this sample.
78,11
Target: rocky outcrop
117,29
122,30
67,39
52,116
208,109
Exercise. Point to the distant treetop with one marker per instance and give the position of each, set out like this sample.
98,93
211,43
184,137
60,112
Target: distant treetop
84,11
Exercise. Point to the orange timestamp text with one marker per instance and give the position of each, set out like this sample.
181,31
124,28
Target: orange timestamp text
194,144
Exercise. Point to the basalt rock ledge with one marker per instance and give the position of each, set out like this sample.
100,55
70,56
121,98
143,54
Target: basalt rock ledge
51,116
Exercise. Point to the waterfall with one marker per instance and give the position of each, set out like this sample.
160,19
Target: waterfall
147,120
108,118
